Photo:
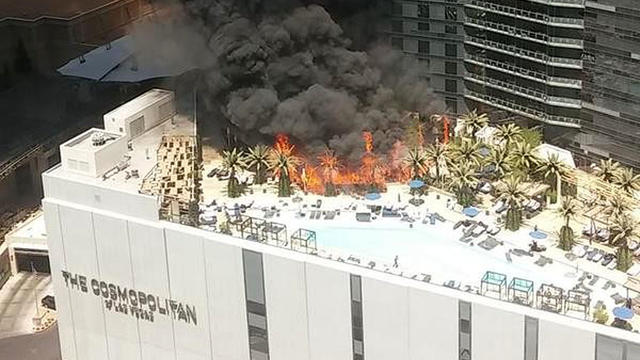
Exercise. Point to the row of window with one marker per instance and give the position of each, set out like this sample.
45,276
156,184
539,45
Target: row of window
606,348
424,47
398,27
450,12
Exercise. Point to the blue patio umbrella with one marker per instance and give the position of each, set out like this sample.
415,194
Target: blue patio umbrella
538,235
416,184
372,196
623,313
470,211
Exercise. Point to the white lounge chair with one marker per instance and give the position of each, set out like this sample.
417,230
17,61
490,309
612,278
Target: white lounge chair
579,251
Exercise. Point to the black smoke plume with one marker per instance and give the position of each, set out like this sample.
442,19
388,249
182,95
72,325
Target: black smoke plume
285,66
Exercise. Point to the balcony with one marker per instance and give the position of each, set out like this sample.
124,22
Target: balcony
524,91
522,72
565,3
528,35
523,53
523,110
526,15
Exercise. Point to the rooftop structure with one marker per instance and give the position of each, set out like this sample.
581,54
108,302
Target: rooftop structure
259,277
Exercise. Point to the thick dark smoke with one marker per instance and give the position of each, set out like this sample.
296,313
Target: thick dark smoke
285,66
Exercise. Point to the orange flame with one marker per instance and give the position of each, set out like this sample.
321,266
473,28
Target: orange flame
368,141
445,129
282,144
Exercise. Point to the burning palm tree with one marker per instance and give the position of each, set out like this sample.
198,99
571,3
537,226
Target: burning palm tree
329,164
258,158
283,164
232,161
417,162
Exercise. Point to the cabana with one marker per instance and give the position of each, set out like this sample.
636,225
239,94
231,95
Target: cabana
304,240
578,301
275,232
250,226
493,282
521,291
550,298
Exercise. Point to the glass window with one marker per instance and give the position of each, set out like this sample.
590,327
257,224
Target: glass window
255,301
253,276
423,26
423,47
530,338
397,26
608,348
452,105
451,68
423,11
357,332
451,29
451,13
450,85
464,330
356,288
451,50
397,9
397,43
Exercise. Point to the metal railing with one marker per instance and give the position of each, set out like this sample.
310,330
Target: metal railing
529,35
524,53
525,14
526,73
523,110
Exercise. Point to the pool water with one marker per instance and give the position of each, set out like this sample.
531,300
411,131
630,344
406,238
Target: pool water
435,250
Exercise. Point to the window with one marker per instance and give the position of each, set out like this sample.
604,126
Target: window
530,338
397,43
357,332
256,305
451,13
423,26
451,29
464,330
423,11
451,68
608,348
451,50
396,26
451,104
397,9
450,85
423,47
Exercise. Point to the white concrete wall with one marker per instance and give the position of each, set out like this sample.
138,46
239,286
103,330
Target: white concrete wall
559,342
496,334
109,155
119,119
307,301
329,313
385,316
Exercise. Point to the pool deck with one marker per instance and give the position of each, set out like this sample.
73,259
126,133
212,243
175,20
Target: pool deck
265,196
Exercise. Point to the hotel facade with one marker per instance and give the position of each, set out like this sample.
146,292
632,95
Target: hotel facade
130,284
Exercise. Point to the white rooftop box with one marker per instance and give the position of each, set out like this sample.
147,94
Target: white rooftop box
141,114
93,153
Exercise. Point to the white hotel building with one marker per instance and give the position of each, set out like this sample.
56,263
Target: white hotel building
130,285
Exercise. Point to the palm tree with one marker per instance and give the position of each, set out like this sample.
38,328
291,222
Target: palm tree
608,170
617,206
553,168
283,164
233,162
330,165
474,122
258,158
513,195
568,211
524,158
532,136
500,160
627,181
623,231
508,133
463,182
437,155
417,162
466,150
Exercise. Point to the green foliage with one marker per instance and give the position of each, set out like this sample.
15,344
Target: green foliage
513,218
608,170
566,239
473,122
233,161
257,158
513,194
627,181
282,162
225,228
532,137
600,314
524,158
417,162
463,183
624,258
508,134
438,155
